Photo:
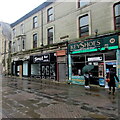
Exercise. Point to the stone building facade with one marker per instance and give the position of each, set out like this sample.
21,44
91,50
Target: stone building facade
41,38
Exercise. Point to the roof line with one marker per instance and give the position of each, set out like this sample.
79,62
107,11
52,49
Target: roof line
40,7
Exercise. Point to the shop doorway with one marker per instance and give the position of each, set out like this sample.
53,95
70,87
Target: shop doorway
45,70
109,65
62,71
94,72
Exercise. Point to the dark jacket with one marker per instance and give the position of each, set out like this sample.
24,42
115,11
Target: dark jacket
112,77
87,78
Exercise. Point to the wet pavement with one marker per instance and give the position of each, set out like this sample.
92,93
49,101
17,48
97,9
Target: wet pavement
23,98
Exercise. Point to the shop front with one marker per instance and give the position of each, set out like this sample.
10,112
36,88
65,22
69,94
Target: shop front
20,67
43,66
101,52
61,65
17,68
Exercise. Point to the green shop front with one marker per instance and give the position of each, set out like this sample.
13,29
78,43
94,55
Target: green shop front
102,52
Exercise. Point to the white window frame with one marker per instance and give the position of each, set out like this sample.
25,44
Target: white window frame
90,25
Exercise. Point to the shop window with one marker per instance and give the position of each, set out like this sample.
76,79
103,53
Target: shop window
25,68
78,62
82,3
50,35
52,70
50,14
110,56
35,70
117,15
35,22
83,26
35,41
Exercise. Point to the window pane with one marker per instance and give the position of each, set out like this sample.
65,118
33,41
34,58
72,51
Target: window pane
77,58
50,32
35,41
51,18
35,22
84,29
117,10
83,3
23,44
118,20
84,34
118,26
35,19
84,21
50,11
110,56
84,26
50,36
50,14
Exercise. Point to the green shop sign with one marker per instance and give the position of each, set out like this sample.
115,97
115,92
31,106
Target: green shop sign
99,44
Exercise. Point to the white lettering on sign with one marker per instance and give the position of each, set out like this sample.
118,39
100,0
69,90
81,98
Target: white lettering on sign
85,45
95,59
45,56
38,58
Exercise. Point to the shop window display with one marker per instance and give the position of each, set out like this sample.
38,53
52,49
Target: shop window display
78,62
35,70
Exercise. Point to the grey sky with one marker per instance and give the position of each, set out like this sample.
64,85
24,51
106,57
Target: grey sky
12,10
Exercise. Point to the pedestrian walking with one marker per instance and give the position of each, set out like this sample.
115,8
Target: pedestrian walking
87,80
112,76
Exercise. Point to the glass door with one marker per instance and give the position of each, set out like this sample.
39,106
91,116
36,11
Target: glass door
108,66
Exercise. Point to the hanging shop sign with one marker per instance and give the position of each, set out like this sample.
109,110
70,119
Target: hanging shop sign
99,44
61,53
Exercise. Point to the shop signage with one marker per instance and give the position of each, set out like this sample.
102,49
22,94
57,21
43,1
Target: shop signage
110,42
95,59
60,53
42,58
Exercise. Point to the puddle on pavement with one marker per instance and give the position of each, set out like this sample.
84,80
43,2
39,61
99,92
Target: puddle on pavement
98,116
32,114
29,104
107,108
88,93
33,100
92,94
72,102
11,92
54,103
88,108
43,105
